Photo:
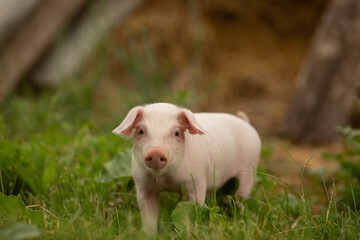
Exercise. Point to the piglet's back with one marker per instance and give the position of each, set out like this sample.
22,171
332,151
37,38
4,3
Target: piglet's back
231,142
230,129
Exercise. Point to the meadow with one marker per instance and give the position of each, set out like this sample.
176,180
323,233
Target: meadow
64,175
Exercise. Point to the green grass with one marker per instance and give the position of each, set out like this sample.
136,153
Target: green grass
64,174
65,177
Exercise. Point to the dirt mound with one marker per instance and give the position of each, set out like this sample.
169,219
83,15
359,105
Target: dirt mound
242,55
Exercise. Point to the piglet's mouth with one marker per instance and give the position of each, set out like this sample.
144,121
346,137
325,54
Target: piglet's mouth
156,158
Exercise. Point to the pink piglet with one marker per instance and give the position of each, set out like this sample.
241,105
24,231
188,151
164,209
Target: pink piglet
174,148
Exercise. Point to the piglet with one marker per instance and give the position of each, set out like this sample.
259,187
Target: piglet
175,149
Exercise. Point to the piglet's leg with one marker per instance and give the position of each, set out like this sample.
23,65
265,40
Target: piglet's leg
149,208
246,183
197,193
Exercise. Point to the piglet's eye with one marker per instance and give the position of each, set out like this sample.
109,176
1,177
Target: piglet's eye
141,132
177,134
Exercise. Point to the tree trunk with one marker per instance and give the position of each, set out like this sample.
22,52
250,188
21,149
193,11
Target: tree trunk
77,44
329,80
12,13
33,38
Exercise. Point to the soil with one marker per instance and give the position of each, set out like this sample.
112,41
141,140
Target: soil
242,55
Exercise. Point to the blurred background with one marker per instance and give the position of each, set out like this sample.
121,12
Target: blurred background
292,66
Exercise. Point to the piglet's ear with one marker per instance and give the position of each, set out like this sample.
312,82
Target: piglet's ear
128,124
187,118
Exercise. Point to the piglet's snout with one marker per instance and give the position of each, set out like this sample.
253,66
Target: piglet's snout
156,159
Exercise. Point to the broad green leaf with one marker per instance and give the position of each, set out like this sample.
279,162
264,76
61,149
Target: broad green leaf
181,216
20,231
49,173
14,208
117,168
186,214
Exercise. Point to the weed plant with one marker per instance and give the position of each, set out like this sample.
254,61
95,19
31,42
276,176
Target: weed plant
349,175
